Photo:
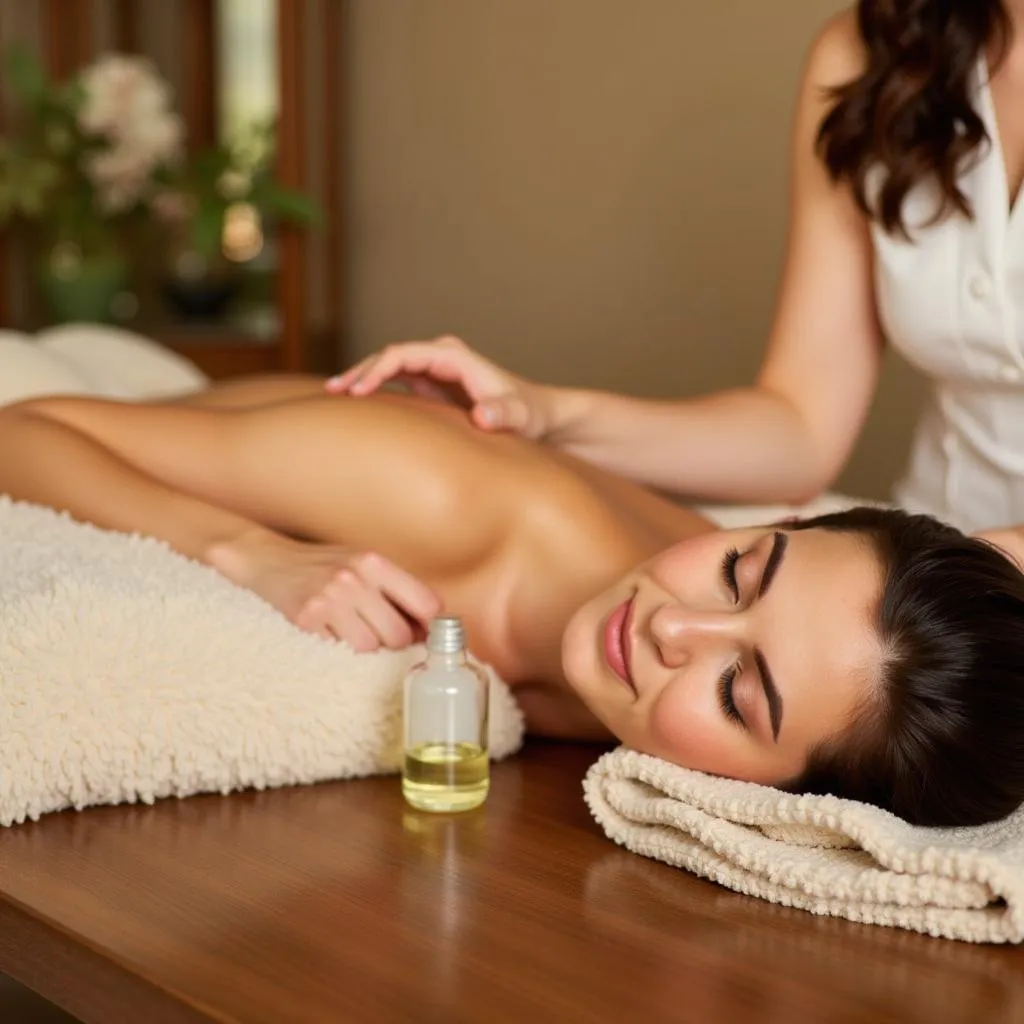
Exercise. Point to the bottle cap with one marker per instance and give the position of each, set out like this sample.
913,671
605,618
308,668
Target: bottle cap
446,635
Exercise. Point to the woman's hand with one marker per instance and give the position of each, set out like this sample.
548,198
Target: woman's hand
448,369
333,591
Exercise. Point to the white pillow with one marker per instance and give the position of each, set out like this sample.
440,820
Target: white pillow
121,364
27,371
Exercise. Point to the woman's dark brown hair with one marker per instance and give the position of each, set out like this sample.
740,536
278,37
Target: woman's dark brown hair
910,112
942,740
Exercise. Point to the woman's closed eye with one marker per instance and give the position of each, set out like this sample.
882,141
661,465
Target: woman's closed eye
755,584
729,560
726,701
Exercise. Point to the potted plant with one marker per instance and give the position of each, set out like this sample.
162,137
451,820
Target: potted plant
85,156
222,207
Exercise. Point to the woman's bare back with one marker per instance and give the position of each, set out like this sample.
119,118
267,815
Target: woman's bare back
513,536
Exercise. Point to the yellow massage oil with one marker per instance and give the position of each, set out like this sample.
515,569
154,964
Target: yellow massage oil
445,720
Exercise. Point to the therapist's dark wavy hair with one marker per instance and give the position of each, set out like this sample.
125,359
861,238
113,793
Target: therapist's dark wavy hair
941,740
910,112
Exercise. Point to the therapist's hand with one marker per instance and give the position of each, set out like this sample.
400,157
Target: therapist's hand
449,370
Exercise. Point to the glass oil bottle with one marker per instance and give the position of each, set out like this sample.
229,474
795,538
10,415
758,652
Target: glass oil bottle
446,766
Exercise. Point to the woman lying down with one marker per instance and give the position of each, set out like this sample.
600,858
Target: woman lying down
871,654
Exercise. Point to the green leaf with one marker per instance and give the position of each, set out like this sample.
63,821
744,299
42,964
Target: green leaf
289,204
71,96
209,165
27,184
207,227
25,72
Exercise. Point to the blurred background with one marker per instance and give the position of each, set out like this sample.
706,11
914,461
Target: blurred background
589,191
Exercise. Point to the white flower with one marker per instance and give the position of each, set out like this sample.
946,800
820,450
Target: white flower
162,138
119,177
119,93
129,105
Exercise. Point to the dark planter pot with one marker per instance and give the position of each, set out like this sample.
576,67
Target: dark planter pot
203,298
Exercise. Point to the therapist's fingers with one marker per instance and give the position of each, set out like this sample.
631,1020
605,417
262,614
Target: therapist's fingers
510,412
410,358
424,387
446,360
340,383
496,414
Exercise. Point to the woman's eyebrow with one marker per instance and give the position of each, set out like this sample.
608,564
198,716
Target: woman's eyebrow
771,691
774,560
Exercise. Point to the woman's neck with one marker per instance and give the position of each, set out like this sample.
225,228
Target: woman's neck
1015,10
1015,14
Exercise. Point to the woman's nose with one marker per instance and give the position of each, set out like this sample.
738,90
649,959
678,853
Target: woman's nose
679,633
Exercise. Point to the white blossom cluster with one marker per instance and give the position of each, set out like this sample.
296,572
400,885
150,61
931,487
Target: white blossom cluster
128,104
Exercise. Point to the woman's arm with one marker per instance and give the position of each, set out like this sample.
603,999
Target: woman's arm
783,439
48,462
90,458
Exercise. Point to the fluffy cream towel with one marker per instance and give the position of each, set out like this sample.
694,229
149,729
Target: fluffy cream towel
130,673
818,853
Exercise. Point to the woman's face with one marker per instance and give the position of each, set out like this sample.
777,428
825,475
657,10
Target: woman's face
735,652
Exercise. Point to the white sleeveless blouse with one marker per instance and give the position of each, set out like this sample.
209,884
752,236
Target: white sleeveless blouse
952,303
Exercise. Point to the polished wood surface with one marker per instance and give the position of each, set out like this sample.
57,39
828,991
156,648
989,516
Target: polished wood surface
337,903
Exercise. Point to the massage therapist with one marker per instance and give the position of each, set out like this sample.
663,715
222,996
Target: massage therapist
907,161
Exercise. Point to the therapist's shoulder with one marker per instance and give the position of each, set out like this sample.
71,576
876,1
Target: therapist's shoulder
838,54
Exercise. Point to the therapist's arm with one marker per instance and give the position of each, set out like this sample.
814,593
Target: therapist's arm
787,437
783,439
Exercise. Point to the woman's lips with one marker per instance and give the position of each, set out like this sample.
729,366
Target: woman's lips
617,642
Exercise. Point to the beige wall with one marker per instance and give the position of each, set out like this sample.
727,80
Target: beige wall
591,191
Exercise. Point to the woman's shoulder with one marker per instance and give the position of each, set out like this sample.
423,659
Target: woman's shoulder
411,479
837,54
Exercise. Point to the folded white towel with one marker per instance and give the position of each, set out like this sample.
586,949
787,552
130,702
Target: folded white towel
128,672
818,853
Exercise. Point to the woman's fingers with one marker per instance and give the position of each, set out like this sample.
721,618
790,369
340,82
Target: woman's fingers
412,597
371,603
347,624
334,616
387,623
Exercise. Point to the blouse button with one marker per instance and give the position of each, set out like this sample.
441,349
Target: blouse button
980,286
